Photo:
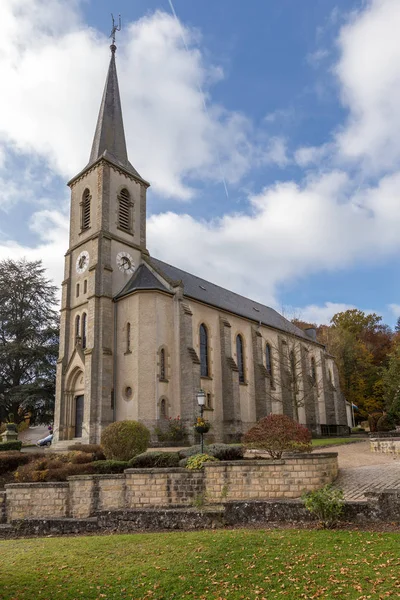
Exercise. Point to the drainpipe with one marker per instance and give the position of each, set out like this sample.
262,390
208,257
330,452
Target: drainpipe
115,363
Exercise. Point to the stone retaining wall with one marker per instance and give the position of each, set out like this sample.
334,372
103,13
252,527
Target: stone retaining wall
2,507
260,479
385,445
86,495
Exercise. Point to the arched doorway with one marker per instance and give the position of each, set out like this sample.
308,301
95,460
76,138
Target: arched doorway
76,389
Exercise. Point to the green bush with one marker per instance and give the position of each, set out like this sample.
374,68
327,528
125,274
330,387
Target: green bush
7,446
183,462
326,504
197,461
10,461
123,440
385,423
155,460
186,452
357,430
109,466
171,430
95,449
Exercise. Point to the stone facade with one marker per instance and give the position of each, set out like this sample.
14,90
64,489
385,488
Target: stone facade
111,334
86,495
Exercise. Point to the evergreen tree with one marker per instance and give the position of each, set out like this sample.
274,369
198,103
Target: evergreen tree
28,341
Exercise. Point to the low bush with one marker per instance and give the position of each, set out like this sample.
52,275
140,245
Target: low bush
277,434
7,446
358,430
197,461
183,462
10,461
80,458
52,469
385,423
109,466
186,452
123,440
95,449
225,451
155,460
326,504
171,430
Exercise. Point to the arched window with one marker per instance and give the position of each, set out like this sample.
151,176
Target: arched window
77,327
162,365
124,210
313,370
85,210
84,320
128,337
163,408
293,366
240,358
204,372
268,361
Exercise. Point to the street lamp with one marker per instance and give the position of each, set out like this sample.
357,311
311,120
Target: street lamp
201,400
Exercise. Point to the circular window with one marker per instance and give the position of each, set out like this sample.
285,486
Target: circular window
128,393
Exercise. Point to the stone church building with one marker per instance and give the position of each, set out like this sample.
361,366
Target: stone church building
139,337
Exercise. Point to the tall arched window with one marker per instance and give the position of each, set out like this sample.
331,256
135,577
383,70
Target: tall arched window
204,371
240,358
85,209
268,361
124,210
77,327
128,337
162,364
84,322
293,366
313,370
163,408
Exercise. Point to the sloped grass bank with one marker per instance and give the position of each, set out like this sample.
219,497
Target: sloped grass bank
239,564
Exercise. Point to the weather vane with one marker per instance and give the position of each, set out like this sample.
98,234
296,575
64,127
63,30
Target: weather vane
115,28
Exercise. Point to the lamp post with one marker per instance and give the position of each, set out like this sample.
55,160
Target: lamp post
201,400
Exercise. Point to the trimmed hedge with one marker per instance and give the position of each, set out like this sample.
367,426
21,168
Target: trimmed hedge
220,451
10,461
123,440
109,466
155,460
7,446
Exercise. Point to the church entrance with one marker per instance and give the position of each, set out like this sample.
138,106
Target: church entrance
79,415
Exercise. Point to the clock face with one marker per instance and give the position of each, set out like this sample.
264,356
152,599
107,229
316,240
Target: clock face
125,262
82,262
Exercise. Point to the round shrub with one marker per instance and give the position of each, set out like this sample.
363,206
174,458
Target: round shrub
186,452
277,434
123,440
197,461
385,423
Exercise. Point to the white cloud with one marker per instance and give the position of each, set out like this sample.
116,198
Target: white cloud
321,315
54,69
369,76
395,309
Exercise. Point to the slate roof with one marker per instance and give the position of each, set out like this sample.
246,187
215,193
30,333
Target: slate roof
209,293
142,279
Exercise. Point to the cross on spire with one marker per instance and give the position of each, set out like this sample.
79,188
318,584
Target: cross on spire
114,29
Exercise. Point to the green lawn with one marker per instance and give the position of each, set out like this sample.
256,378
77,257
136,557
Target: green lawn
335,441
214,565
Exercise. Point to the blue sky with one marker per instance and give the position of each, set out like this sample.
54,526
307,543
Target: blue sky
302,123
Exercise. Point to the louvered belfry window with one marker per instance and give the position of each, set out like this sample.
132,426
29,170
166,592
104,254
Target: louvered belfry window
124,210
86,209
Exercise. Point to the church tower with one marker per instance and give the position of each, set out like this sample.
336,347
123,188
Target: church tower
107,240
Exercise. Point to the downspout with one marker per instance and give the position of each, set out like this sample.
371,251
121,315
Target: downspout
115,363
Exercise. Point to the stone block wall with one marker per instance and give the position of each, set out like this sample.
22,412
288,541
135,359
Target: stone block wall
87,495
162,487
2,507
261,479
42,500
385,445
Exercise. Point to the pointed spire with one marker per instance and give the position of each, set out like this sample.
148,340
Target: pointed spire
109,138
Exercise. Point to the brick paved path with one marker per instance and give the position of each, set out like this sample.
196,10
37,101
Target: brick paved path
361,470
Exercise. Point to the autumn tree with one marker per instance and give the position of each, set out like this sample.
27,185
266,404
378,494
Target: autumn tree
28,341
